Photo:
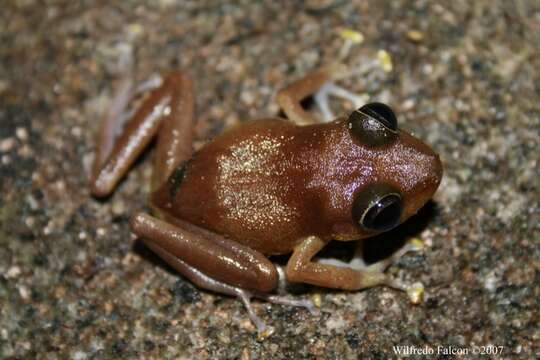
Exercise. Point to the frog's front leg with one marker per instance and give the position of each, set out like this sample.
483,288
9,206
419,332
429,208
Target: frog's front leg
301,268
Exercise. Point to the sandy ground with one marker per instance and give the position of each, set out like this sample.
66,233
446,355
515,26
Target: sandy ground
461,75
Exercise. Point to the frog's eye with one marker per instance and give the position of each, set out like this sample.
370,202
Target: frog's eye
374,124
377,207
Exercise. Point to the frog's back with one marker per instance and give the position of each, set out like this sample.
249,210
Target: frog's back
246,184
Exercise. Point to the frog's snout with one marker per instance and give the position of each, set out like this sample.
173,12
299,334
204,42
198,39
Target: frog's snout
430,181
437,167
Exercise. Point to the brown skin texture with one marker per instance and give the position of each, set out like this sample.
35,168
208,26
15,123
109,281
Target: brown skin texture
268,183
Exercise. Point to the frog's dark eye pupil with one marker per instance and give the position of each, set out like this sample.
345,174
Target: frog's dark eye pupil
384,214
377,207
382,113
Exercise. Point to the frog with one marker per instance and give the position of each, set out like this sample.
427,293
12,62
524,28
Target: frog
274,186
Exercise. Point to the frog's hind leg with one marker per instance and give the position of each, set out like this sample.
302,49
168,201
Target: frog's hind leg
212,261
206,282
169,106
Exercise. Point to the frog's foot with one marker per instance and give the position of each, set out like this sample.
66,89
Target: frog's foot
119,111
287,301
282,290
415,291
376,271
382,265
336,72
330,88
262,329
320,84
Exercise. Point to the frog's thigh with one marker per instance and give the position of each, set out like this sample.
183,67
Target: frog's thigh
301,268
218,258
174,143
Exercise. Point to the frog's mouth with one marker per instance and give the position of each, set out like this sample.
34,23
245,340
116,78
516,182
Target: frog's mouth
346,232
350,232
345,237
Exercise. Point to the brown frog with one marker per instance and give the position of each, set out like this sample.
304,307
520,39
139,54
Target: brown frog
266,187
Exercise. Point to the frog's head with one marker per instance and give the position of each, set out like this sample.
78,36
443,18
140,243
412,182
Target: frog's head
385,175
406,170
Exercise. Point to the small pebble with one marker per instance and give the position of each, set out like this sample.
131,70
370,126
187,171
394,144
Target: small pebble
118,207
135,29
352,35
76,131
21,133
79,355
317,300
416,243
408,104
13,272
24,292
416,293
25,151
415,36
4,85
385,60
29,221
7,144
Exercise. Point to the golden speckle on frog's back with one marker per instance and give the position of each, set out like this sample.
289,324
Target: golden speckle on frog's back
244,184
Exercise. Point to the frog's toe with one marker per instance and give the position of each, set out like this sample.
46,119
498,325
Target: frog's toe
283,300
263,330
414,245
416,292
330,88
